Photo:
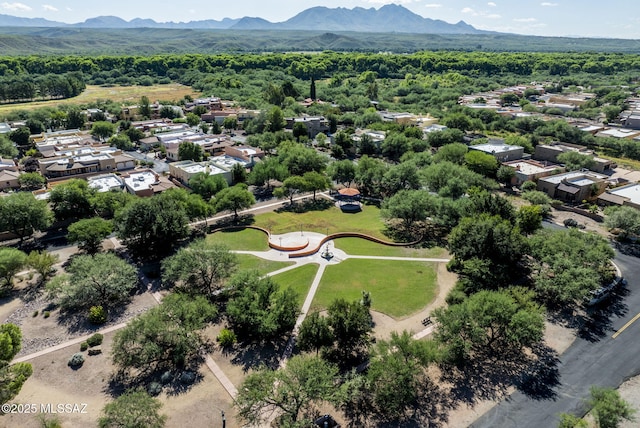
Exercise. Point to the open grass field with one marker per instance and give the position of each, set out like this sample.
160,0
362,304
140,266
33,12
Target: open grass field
362,247
331,220
245,240
249,262
119,94
299,279
397,288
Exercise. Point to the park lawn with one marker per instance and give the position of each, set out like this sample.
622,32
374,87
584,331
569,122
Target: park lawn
397,288
331,220
119,94
299,279
250,262
243,240
362,247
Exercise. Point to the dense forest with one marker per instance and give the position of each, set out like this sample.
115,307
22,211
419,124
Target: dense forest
150,41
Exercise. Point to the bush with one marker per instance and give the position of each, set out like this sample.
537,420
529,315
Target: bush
187,377
456,296
46,314
527,186
76,360
34,314
95,340
166,377
97,315
226,338
84,346
93,352
154,388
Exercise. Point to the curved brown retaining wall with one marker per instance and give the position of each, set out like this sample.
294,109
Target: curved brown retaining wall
352,235
266,232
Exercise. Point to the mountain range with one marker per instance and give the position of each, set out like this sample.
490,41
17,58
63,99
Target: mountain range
387,19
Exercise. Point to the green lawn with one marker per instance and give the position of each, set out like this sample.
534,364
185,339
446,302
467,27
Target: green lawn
299,279
246,240
397,288
249,262
331,220
362,247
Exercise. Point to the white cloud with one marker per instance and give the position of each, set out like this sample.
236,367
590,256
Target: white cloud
49,8
468,10
433,5
548,4
525,19
493,16
491,4
16,7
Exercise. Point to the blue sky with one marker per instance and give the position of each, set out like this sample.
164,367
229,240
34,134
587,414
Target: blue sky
591,18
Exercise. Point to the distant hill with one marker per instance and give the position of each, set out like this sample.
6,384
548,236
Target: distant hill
387,19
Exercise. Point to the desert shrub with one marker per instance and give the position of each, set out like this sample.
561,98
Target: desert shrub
154,388
93,352
34,314
226,338
97,315
166,377
187,377
76,360
46,314
528,186
84,346
95,340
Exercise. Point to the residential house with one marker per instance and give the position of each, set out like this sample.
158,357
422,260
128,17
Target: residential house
145,183
246,153
403,118
314,124
501,151
619,133
184,170
106,183
530,170
550,153
85,162
574,186
7,165
210,103
628,195
9,179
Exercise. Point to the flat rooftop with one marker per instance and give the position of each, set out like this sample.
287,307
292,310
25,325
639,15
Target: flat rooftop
631,191
530,168
105,183
140,180
573,177
227,161
495,147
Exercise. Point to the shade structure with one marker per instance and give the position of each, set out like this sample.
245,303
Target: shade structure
349,191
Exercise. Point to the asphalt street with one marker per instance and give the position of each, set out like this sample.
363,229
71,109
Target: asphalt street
604,354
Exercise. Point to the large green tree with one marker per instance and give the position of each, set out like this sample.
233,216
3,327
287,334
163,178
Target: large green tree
103,279
343,172
568,264
133,409
258,308
165,337
12,377
314,334
294,391
201,267
150,227
190,151
206,185
89,233
351,326
11,262
489,324
626,219
103,130
22,214
72,199
609,409
409,206
234,199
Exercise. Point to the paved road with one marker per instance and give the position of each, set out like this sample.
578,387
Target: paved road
595,358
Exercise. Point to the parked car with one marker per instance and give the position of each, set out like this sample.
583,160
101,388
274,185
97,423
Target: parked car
604,292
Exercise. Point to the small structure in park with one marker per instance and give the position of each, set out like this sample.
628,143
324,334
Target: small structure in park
349,199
